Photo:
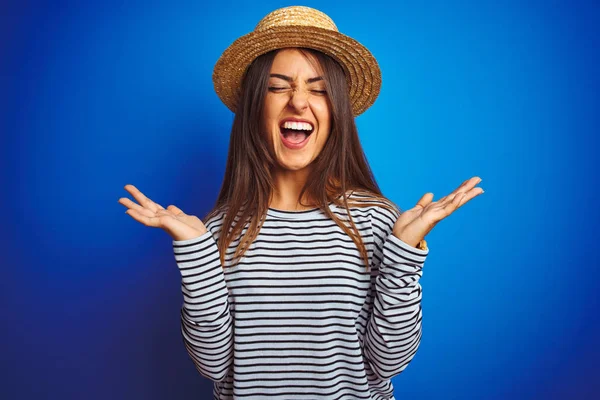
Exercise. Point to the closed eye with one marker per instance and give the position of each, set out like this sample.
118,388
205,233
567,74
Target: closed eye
277,88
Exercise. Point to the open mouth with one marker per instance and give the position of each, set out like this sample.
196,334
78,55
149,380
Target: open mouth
296,132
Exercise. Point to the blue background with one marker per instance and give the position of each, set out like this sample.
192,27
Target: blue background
94,96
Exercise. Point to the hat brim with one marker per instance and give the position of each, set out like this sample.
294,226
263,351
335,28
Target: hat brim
362,71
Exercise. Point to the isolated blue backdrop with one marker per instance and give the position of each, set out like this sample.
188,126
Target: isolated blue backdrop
97,95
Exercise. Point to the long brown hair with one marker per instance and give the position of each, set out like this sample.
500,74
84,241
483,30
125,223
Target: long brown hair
341,166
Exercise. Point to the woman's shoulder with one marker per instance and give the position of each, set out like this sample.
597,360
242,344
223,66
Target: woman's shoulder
377,207
213,220
372,201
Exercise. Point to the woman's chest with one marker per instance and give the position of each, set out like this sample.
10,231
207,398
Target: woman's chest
311,276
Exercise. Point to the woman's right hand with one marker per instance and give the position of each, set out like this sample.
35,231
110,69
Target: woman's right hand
175,222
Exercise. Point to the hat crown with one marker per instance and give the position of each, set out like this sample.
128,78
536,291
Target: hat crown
299,27
296,16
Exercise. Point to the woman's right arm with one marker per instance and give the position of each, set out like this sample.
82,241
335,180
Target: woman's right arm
206,323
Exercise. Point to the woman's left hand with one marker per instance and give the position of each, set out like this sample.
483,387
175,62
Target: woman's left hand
414,224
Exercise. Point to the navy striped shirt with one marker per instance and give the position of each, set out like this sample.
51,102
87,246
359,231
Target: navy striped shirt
300,316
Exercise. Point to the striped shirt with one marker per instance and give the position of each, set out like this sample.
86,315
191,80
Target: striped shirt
300,316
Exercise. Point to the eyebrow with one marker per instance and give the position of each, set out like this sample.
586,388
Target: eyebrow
289,78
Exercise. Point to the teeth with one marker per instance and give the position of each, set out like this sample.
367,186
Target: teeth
299,126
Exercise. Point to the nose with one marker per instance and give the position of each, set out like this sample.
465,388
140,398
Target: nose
299,99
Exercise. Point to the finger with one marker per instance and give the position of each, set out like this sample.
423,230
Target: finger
468,184
471,194
143,200
425,200
443,199
131,205
457,199
462,198
463,188
452,205
443,202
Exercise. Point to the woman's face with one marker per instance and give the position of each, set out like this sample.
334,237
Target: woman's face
297,111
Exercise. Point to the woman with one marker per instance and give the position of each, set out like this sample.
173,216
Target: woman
303,282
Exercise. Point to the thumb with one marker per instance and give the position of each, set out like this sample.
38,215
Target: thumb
425,200
175,210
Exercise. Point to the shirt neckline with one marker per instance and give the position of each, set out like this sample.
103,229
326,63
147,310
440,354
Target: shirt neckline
286,214
313,212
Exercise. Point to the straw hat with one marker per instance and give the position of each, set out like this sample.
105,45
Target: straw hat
299,27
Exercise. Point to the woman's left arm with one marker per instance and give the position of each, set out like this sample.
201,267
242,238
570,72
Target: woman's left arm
394,329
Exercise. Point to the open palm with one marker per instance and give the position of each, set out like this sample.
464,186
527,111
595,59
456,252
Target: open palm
175,222
413,225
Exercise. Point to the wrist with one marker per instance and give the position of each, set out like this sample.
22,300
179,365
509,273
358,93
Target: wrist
416,242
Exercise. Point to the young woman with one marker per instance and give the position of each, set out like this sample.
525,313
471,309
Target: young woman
303,281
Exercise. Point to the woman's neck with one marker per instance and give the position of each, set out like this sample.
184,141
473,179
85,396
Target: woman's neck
288,185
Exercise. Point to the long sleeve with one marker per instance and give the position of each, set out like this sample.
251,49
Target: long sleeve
394,328
206,323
